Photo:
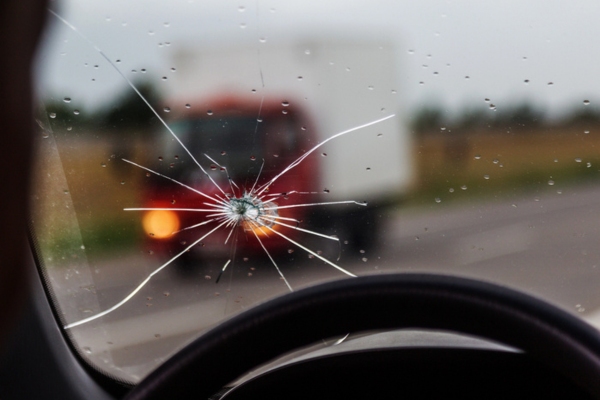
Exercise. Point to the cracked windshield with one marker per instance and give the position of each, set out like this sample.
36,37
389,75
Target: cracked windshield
196,158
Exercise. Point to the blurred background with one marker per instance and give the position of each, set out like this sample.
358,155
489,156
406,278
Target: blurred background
487,166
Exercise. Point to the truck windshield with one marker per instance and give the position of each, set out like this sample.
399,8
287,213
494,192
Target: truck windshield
195,159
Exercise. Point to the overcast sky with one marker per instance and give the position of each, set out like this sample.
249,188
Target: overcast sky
498,45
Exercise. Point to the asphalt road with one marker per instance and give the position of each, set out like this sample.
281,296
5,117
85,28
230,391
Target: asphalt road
546,244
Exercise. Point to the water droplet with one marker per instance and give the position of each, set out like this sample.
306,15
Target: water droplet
307,52
370,87
486,177
150,33
241,8
87,350
207,277
67,99
284,111
148,174
172,165
325,190
586,102
495,161
166,24
167,109
477,157
526,81
303,128
300,78
486,100
285,103
411,51
160,158
76,112
324,154
364,259
586,132
117,61
262,39
463,187
173,69
164,78
551,182
157,335
550,83
451,190
209,112
96,66
467,77
242,26
133,71
578,159
143,70
52,115
252,158
379,134
589,165
122,182
253,90
438,200
103,165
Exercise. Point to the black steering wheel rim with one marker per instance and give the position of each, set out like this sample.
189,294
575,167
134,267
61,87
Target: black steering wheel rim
547,333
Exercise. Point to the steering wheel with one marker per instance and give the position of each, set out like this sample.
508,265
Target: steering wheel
549,335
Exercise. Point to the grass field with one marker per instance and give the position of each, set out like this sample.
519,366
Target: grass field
500,163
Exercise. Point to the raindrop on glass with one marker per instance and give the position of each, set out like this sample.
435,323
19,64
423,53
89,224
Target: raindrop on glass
67,99
486,177
586,102
52,115
167,109
209,112
76,112
285,103
187,105
438,200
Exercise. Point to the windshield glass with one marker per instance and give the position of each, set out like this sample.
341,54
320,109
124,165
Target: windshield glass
195,158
